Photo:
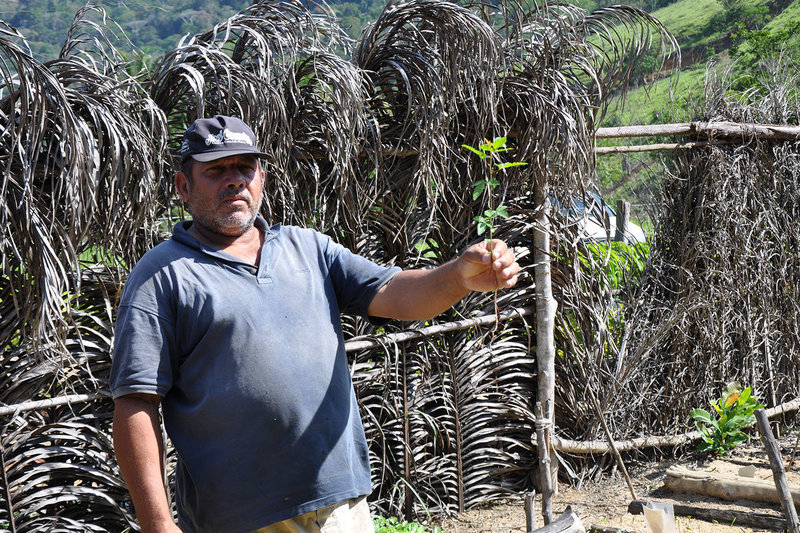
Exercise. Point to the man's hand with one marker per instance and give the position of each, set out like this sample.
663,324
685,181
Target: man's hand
488,265
422,294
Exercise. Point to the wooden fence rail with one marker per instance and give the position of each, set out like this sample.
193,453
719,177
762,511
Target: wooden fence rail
353,345
700,134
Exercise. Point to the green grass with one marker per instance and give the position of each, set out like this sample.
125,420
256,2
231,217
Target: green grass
654,104
785,18
688,20
703,22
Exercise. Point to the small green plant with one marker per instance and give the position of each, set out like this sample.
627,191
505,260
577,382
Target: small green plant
393,525
490,150
734,411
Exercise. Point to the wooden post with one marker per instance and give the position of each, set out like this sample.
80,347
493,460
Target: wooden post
778,473
545,476
545,345
623,219
530,515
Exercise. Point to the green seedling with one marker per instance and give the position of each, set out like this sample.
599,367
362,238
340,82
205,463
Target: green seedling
490,152
734,412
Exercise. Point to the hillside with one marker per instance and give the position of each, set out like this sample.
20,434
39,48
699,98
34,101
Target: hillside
151,25
732,38
154,27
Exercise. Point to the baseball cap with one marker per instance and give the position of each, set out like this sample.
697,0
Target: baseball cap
209,139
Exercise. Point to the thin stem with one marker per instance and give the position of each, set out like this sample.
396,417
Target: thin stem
491,238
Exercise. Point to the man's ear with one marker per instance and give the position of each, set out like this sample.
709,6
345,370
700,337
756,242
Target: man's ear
182,185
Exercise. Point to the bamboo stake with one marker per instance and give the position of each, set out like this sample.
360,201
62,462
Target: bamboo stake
378,341
656,147
53,402
776,462
715,130
353,345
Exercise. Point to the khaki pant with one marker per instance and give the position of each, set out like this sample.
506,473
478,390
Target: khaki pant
349,516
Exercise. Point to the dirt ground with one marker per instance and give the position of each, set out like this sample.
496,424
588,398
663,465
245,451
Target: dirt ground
605,503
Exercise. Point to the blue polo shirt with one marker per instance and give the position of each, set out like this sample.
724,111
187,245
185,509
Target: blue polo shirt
251,367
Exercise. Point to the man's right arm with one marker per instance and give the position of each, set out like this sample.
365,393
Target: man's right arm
139,447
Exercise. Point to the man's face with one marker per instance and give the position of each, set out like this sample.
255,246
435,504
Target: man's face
223,196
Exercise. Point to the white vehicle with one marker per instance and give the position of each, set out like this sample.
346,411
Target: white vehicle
597,221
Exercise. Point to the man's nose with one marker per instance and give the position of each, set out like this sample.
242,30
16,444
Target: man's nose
235,179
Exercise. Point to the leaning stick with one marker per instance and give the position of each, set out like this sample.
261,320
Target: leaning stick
776,462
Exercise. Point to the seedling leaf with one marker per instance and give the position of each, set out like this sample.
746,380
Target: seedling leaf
475,151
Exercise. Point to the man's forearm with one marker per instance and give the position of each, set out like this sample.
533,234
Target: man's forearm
138,446
419,294
423,294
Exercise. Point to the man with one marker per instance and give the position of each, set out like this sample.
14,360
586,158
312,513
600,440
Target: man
233,328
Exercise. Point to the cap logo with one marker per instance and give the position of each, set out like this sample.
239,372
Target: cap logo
227,136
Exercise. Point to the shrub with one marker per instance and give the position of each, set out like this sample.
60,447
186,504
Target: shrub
735,411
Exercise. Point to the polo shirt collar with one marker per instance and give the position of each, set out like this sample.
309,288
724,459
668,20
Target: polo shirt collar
181,234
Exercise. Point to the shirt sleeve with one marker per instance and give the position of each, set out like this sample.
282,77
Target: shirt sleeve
356,280
144,356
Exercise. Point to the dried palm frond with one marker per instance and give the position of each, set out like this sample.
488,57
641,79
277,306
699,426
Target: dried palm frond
564,63
717,303
274,65
80,171
58,460
42,205
429,65
445,419
61,477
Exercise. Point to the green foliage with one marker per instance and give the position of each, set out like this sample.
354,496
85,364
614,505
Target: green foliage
734,411
747,14
428,249
149,24
753,48
490,151
625,262
393,525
